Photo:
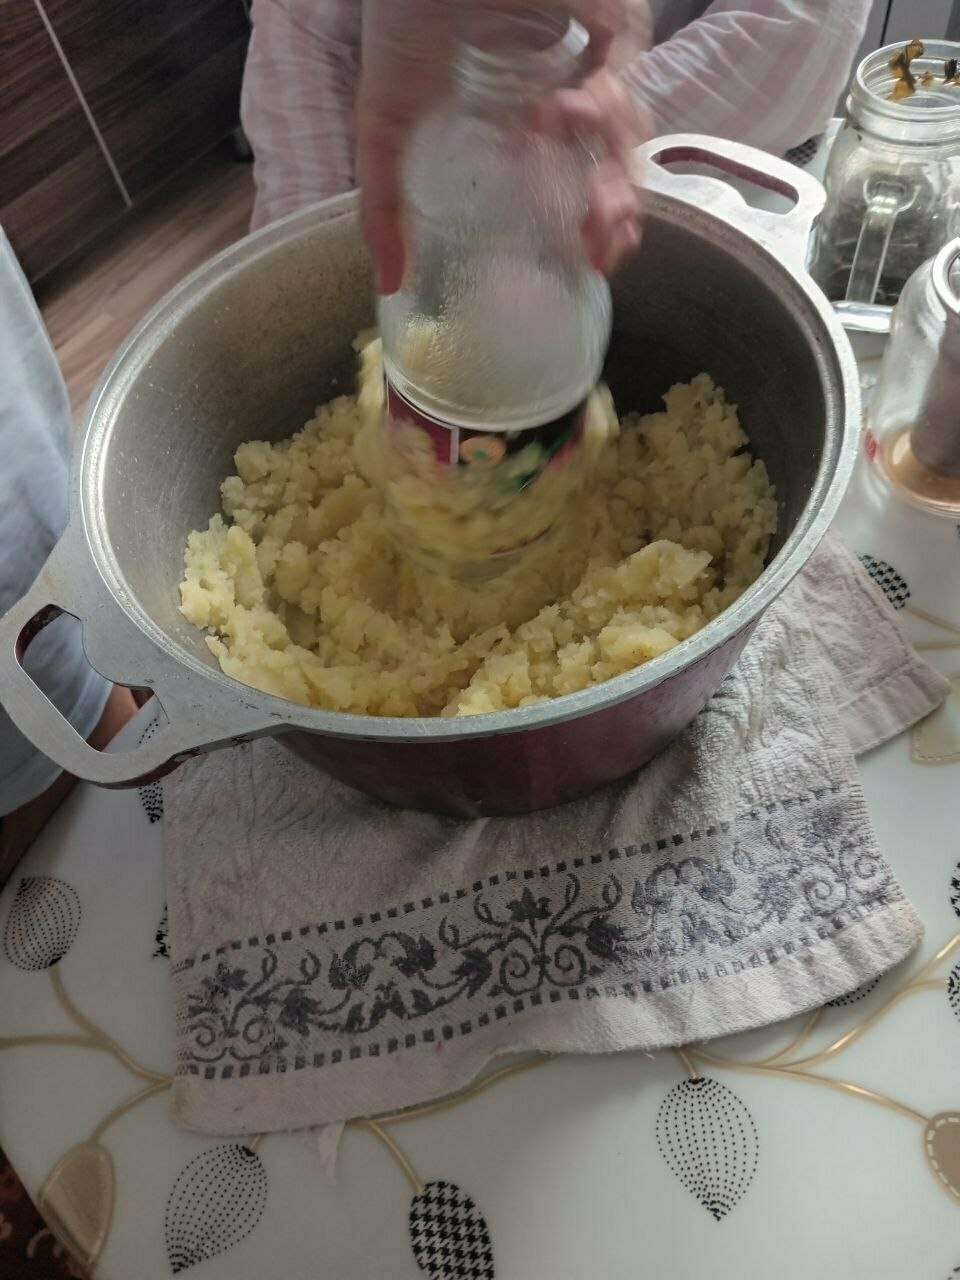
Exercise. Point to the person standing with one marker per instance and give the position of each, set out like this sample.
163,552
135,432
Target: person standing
35,438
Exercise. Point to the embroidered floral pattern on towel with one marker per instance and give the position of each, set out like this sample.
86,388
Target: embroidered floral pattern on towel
626,922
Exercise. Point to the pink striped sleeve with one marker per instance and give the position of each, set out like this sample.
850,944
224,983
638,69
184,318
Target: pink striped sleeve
769,73
297,102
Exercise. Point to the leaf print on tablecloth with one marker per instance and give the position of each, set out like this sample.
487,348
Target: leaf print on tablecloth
955,890
708,1138
215,1203
942,1145
42,923
151,796
161,938
77,1200
953,989
802,155
449,1234
853,997
936,739
891,583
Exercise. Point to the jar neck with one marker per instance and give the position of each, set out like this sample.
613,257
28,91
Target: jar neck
930,117
506,60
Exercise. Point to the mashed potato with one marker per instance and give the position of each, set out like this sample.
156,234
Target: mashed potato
303,593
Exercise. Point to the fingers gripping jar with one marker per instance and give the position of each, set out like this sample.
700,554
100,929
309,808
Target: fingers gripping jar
496,339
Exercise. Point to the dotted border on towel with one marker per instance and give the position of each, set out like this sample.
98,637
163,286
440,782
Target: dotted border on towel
633,991
491,882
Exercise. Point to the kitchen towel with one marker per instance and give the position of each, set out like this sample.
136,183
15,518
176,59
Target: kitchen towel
334,957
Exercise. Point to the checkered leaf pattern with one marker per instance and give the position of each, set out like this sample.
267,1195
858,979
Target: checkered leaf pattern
450,1237
161,939
891,583
805,152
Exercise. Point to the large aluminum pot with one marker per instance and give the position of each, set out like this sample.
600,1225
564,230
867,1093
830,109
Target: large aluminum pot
248,345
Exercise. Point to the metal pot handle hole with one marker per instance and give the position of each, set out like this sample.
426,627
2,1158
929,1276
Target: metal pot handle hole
786,234
192,721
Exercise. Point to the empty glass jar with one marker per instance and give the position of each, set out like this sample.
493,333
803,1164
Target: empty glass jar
913,422
893,179
497,337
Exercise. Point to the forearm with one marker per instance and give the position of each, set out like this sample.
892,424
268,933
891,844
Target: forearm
19,829
769,74
35,433
297,104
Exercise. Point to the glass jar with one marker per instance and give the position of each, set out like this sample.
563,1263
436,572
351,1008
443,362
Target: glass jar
497,337
892,180
913,421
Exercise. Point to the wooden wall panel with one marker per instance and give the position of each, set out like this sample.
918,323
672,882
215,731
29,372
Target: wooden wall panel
161,77
56,189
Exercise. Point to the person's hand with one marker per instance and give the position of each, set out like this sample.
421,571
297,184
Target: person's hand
407,47
603,111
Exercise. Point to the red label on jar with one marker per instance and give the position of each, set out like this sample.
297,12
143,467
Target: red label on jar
469,447
870,445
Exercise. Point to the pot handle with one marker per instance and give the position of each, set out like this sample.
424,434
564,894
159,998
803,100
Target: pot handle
787,234
190,725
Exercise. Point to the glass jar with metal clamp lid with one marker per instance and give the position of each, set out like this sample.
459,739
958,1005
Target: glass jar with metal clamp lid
892,180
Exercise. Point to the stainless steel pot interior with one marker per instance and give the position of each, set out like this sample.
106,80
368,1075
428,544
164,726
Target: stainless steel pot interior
260,336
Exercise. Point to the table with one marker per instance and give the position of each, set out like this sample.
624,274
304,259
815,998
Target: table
846,1165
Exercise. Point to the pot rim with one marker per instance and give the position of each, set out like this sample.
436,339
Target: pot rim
830,345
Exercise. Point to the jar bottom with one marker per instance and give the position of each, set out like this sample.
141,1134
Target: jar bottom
910,479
